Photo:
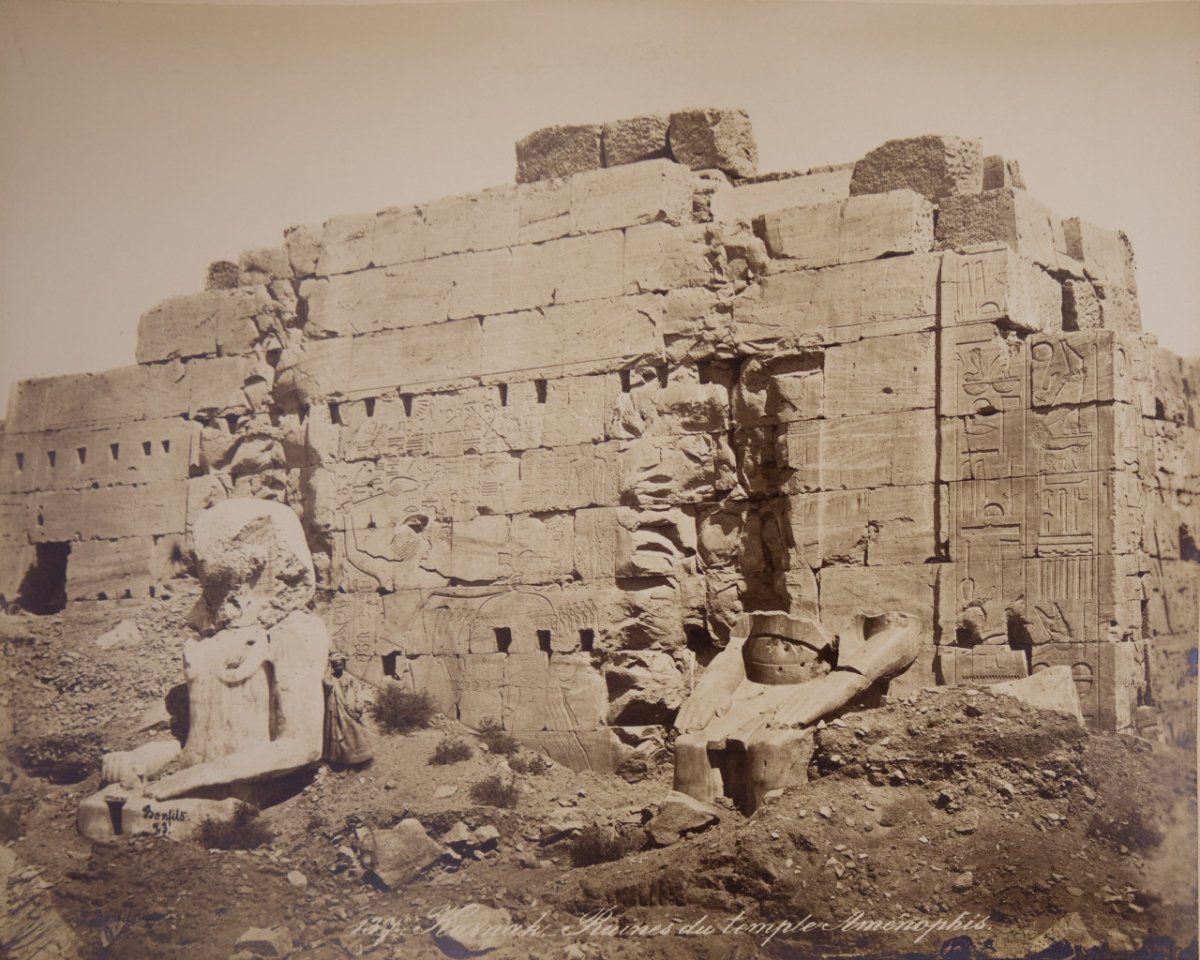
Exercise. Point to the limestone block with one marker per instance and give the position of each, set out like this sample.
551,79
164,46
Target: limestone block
592,337
1176,455
654,543
1084,599
1016,442
901,525
524,690
983,665
558,152
347,244
661,257
851,591
848,231
15,512
1086,367
1173,594
842,303
1091,305
649,687
303,247
935,167
714,140
589,267
544,210
430,675
995,284
1051,688
697,326
683,469
138,452
886,449
577,409
478,681
689,407
782,390
135,392
108,513
653,191
595,543
729,535
1170,390
414,359
368,301
109,569
540,549
634,139
1106,255
1173,524
1108,677
202,324
1007,216
880,375
999,172
576,697
566,478
217,386
399,855
391,236
477,548
486,220
746,201
262,266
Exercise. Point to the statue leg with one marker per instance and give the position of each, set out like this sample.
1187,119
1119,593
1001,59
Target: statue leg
773,759
695,773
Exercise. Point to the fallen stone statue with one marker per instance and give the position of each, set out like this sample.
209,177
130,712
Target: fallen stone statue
254,681
747,727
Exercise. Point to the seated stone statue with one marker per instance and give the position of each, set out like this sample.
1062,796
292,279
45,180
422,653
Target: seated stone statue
254,672
746,728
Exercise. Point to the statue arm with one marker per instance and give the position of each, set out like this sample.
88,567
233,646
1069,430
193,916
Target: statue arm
890,650
715,690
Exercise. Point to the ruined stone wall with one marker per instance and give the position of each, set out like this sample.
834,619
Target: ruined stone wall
550,441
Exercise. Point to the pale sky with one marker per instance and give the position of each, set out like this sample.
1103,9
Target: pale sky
140,142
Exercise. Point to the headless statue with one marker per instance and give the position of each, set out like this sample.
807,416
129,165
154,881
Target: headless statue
253,670
746,728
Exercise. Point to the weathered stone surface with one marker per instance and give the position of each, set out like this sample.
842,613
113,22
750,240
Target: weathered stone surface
847,231
397,856
473,929
804,308
880,375
638,138
935,167
1007,216
137,392
999,172
1106,255
265,942
872,450
993,283
558,152
216,321
678,816
714,140
652,191
1052,688
747,201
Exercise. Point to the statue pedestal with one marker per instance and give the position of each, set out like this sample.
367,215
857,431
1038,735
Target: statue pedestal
115,812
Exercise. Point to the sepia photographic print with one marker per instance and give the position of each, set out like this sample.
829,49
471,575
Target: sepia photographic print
599,481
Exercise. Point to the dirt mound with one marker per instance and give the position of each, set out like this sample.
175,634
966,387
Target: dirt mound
952,802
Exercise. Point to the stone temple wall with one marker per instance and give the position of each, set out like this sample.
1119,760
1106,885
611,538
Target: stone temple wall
551,441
